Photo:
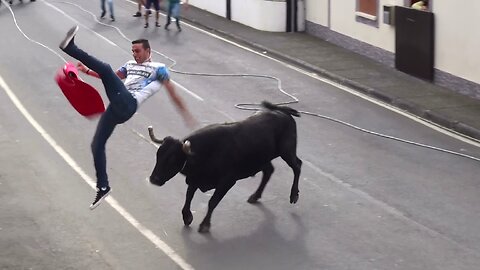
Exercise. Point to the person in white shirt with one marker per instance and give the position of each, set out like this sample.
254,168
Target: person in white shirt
142,78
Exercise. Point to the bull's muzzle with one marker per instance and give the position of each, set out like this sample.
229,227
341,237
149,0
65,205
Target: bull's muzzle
156,180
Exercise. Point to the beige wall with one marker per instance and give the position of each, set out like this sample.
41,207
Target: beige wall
317,11
457,31
457,38
343,20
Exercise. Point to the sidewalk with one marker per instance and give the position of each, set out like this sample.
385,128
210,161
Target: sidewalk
437,104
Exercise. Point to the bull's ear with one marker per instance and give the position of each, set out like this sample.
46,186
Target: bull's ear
152,136
187,148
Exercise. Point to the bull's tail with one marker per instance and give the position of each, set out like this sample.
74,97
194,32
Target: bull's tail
284,109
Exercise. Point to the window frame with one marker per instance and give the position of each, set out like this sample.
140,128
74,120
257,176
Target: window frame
367,12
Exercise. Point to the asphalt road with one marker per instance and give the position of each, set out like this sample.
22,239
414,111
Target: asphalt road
365,202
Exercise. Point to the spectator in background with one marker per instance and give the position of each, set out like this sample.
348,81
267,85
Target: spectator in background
110,8
420,5
139,12
156,5
21,1
174,11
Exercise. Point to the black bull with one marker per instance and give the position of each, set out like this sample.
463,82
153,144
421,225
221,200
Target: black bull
216,156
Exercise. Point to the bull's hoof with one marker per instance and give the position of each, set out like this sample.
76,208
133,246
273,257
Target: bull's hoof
187,218
293,198
253,199
204,228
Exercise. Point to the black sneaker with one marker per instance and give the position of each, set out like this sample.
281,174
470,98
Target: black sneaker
112,18
70,35
103,14
138,14
101,194
157,24
146,25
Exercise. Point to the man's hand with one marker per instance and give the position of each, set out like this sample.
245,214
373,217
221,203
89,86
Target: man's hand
82,67
189,120
178,102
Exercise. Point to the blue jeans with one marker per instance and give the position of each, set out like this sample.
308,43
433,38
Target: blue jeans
173,11
121,108
110,6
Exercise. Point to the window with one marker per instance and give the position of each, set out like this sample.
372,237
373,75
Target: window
367,11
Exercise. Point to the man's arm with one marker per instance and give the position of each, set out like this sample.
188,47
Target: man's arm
179,104
92,73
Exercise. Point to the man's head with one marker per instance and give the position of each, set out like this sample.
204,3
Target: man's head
141,50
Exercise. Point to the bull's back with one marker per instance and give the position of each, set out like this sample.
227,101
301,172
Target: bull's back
240,149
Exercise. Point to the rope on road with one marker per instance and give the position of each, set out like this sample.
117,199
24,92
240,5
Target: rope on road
253,106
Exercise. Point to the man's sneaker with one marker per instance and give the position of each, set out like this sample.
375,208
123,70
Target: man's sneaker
138,14
103,14
112,18
101,194
70,35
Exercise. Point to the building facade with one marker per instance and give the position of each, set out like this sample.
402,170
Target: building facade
366,27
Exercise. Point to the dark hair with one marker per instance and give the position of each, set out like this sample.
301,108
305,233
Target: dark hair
145,43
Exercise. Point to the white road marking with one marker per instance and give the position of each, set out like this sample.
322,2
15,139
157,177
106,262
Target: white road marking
110,200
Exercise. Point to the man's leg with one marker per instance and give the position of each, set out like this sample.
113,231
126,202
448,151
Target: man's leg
139,12
110,7
104,130
176,15
169,16
102,6
121,100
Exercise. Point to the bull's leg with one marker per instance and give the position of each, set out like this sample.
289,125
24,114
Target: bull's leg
267,172
296,164
216,198
186,213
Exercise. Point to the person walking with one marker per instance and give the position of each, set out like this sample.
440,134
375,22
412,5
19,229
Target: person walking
110,8
174,7
142,78
156,5
140,3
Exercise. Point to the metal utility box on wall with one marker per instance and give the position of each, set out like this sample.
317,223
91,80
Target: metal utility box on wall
389,15
414,42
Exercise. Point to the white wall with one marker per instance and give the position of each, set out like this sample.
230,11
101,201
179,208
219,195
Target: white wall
317,11
457,38
457,33
260,14
343,20
218,7
265,15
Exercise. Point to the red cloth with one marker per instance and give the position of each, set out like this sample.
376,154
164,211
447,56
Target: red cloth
82,96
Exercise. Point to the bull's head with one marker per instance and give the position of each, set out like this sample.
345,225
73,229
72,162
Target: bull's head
171,157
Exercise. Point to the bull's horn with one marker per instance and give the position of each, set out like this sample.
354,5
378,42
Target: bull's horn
152,136
187,147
